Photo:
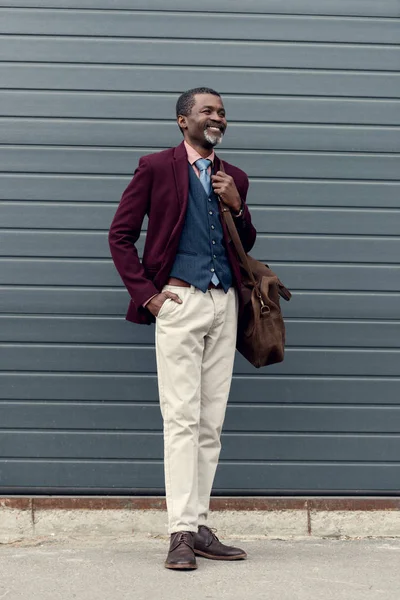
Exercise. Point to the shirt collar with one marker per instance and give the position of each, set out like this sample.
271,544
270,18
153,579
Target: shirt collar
193,155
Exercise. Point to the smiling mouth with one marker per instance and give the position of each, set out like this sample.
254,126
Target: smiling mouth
214,129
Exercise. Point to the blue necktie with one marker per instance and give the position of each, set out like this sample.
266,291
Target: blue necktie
202,164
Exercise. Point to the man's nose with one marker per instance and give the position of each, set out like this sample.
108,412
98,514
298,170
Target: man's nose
217,117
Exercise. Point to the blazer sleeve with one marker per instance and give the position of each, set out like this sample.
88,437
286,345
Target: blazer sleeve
125,231
246,230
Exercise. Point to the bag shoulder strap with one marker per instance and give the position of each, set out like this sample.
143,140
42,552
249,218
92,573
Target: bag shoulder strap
283,291
234,234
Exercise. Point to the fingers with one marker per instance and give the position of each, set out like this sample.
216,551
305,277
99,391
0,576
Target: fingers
220,176
172,296
221,189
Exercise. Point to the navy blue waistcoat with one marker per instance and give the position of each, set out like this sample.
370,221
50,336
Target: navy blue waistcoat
201,250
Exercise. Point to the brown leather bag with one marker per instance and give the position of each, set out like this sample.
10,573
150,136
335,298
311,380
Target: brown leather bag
261,329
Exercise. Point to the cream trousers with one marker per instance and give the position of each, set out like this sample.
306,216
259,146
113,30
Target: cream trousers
195,346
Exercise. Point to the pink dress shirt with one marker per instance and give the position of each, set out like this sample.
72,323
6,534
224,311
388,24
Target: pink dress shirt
193,155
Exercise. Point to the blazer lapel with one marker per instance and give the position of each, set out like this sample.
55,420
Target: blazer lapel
181,174
216,163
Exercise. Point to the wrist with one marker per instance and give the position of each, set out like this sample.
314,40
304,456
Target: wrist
149,300
238,213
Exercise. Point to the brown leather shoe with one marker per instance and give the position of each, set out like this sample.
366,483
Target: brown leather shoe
207,544
181,553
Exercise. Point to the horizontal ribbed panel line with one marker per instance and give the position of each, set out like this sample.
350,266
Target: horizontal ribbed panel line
329,236
139,461
75,403
258,179
193,40
312,209
288,207
96,231
194,67
305,208
260,234
185,40
232,123
225,434
195,11
71,288
154,374
185,66
120,316
110,346
117,318
240,151
316,292
198,11
128,176
66,203
249,377
247,405
52,259
108,261
382,154
61,431
344,263
242,462
147,461
151,346
310,463
175,95
310,434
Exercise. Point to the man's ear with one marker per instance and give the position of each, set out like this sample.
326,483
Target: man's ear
182,122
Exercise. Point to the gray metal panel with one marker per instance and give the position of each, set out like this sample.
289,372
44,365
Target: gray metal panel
111,330
370,8
150,78
298,192
123,161
363,57
129,476
141,359
108,301
108,105
121,133
149,445
310,220
185,25
316,129
241,418
297,276
270,248
267,389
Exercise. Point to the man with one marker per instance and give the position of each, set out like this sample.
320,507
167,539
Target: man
187,283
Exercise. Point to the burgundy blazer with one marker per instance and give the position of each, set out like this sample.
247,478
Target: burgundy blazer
160,189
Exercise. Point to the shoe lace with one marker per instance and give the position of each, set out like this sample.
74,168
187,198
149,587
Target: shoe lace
184,537
212,532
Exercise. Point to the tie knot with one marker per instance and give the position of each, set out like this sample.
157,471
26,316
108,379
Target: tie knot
202,164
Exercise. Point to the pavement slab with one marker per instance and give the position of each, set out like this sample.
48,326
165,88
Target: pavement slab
118,568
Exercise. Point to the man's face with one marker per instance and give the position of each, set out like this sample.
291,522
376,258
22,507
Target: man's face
206,124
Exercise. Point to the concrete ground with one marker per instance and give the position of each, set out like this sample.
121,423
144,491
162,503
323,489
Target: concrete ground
111,568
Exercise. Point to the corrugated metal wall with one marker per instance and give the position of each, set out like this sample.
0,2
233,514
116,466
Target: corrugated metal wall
312,95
